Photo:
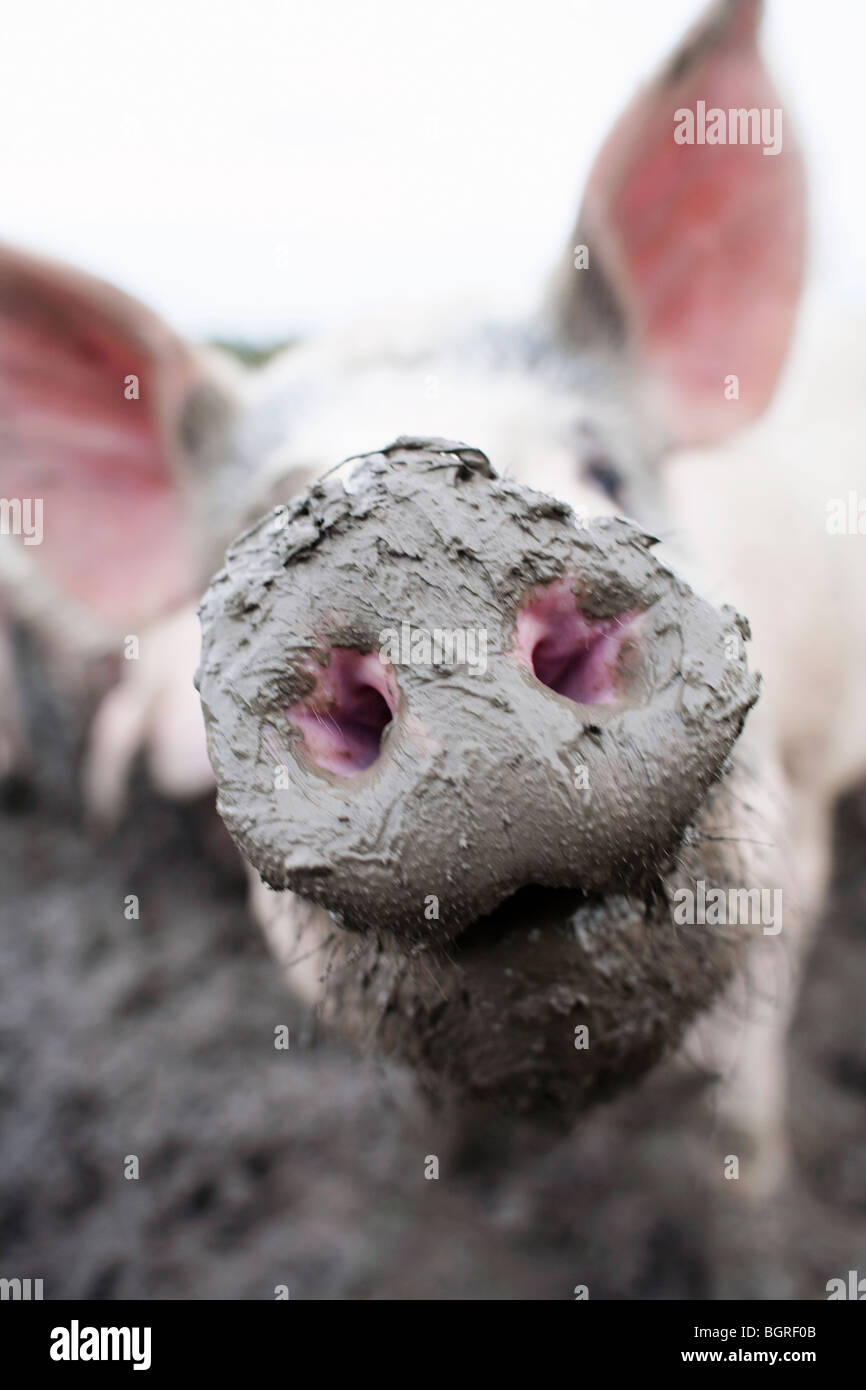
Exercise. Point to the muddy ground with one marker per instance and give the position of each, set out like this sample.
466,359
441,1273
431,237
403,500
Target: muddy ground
305,1167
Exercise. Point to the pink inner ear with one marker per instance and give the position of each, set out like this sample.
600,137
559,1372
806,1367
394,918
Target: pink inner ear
345,716
114,535
703,244
575,655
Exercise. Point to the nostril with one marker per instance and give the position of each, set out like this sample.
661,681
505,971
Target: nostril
344,717
572,653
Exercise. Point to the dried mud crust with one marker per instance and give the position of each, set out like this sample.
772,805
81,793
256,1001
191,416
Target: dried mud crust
425,532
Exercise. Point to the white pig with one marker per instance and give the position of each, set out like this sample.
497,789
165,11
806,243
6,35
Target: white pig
646,388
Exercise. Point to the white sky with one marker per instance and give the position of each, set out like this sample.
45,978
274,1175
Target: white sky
256,167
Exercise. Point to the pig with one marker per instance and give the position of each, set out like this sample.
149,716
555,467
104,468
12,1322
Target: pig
640,403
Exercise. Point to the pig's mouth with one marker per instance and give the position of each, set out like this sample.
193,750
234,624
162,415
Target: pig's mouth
533,903
554,1000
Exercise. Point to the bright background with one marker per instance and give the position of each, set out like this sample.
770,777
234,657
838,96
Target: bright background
255,168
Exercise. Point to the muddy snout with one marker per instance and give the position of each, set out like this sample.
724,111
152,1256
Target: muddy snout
427,687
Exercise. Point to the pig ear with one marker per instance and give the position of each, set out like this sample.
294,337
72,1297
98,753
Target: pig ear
92,387
695,250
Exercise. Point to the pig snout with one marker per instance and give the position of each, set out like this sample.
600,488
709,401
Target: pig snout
426,688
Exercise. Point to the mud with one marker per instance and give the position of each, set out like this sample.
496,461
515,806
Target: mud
473,795
306,1167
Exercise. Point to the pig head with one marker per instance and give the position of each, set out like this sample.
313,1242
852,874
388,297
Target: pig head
472,867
